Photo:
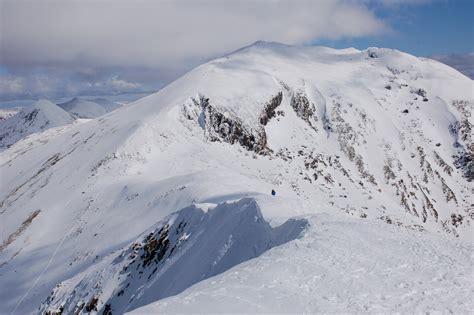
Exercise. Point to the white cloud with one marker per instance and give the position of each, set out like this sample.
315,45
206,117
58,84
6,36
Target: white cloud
56,85
171,33
11,86
117,85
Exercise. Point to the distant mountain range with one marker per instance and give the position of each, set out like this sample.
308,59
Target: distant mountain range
464,63
16,124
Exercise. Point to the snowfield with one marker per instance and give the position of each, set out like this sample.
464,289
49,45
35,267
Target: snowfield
164,205
341,265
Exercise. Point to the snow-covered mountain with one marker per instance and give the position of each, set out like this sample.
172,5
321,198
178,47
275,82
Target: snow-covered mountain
6,113
370,154
82,108
40,116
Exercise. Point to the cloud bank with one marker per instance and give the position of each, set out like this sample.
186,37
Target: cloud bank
464,63
78,41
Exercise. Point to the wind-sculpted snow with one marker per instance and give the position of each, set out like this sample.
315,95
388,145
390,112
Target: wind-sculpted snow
377,135
354,266
186,247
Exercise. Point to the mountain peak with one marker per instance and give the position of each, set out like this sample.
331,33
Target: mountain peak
348,140
41,116
88,109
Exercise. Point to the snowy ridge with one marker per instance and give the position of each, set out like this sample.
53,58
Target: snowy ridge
185,248
377,135
339,266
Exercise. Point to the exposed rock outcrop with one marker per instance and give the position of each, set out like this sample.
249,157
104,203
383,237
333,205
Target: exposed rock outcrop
304,108
224,126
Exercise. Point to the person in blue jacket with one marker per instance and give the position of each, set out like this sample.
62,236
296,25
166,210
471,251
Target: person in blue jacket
273,192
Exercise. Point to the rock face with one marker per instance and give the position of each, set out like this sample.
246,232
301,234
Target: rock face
304,108
270,109
230,129
462,131
221,126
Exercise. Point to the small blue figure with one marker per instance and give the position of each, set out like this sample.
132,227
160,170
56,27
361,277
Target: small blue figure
273,192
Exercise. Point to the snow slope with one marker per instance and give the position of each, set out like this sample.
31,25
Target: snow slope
108,105
82,108
340,265
377,140
40,116
185,248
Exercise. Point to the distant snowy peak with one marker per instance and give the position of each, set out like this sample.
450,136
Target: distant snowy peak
6,113
40,116
81,108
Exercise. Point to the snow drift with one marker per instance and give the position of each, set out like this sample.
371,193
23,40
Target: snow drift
186,247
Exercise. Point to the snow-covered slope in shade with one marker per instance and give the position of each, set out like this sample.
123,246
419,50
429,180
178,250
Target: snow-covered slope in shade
40,116
82,108
376,135
185,248
108,105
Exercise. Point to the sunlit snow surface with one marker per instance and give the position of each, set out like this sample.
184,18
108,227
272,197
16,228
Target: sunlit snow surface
364,145
341,265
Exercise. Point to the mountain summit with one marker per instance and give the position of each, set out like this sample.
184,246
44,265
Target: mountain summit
82,108
370,154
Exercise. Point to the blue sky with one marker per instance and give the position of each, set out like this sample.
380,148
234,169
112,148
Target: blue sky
56,49
425,29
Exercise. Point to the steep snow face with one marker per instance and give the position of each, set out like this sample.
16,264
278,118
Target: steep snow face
186,247
39,117
378,135
339,266
82,108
